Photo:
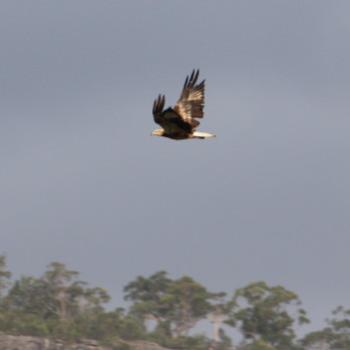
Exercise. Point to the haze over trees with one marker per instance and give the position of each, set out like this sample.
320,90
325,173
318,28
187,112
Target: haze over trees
58,304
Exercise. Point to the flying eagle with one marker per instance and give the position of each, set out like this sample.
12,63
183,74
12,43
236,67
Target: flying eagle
180,122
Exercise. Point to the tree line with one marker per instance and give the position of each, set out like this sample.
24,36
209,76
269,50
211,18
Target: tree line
58,304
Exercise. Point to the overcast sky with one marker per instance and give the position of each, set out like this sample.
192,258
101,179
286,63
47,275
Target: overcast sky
84,183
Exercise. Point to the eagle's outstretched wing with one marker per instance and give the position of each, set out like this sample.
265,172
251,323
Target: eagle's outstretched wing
191,102
168,119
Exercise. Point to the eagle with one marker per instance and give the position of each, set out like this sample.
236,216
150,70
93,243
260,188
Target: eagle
180,122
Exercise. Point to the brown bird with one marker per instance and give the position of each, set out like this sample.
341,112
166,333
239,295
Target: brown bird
180,122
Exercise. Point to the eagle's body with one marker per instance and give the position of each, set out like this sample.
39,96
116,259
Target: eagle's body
179,122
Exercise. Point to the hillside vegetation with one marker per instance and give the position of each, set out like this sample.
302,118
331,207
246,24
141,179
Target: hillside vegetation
58,305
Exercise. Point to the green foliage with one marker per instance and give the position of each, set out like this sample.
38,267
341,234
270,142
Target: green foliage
149,295
4,275
188,302
31,295
58,304
55,295
178,304
337,335
65,290
15,322
258,345
263,313
324,336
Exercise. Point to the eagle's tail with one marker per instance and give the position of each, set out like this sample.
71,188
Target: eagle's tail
202,135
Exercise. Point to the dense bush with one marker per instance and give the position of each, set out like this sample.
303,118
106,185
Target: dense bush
59,305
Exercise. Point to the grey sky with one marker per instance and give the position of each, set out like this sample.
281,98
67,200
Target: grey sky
83,182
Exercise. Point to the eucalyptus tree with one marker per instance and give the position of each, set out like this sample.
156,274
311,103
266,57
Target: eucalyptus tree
148,296
176,305
267,314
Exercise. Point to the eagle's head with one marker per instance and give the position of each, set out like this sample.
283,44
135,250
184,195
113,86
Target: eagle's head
158,132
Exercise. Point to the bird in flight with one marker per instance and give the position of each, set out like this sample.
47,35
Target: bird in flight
180,122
